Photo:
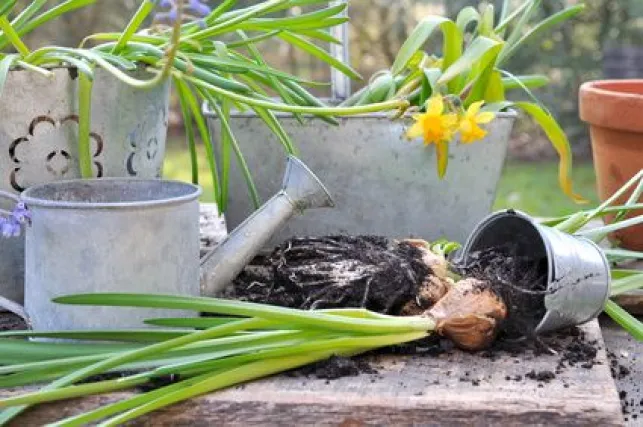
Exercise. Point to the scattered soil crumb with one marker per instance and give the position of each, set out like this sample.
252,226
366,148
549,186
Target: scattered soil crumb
540,376
336,367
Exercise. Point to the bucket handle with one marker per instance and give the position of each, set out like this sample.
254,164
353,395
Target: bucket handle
5,303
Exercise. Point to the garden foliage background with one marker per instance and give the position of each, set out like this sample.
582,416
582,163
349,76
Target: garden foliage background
606,40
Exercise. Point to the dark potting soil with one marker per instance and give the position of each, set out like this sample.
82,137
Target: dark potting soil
335,271
11,322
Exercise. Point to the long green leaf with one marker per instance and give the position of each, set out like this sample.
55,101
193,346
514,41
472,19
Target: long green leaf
5,65
226,130
84,125
189,131
560,143
627,284
452,42
241,308
479,54
195,109
630,323
543,26
528,81
6,7
319,53
143,11
621,254
12,36
27,13
525,13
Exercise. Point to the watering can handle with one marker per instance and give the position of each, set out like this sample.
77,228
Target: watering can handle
340,83
5,303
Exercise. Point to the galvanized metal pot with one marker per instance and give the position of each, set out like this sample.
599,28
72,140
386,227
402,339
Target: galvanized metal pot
108,235
38,139
382,183
141,236
578,274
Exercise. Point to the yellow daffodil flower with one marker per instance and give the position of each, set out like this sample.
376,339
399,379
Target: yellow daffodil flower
434,125
470,130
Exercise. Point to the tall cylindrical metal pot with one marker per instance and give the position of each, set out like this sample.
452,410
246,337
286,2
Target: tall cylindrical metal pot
39,139
109,235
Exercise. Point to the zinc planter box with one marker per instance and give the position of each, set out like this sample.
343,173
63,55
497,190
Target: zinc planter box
381,183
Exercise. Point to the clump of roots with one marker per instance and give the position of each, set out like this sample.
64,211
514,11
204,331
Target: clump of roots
380,274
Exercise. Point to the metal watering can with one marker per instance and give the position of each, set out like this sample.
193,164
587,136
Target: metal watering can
137,235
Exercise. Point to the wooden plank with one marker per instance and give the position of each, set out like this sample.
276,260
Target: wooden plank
407,390
626,359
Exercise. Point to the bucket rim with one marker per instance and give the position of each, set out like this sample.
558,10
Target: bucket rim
29,200
516,214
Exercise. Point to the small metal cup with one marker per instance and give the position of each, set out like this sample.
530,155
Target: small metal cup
578,274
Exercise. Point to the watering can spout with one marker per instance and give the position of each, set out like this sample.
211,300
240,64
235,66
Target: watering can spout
301,190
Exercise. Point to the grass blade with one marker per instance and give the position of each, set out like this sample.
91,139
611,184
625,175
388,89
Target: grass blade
227,130
84,125
627,284
194,108
480,53
319,53
242,308
189,132
628,322
542,26
5,66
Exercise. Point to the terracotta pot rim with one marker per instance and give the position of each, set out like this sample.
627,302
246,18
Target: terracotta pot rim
602,104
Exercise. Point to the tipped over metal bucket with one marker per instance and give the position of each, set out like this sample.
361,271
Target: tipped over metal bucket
578,274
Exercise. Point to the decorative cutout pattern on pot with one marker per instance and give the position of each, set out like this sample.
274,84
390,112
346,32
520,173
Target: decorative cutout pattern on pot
30,158
143,143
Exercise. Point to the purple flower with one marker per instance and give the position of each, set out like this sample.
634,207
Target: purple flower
21,213
195,7
198,8
11,226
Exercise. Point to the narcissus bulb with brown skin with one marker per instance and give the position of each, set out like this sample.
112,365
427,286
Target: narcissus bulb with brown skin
469,314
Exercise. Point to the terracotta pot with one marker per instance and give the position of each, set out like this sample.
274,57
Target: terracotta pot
614,111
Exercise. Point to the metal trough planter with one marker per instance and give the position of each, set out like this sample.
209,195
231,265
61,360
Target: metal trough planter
382,183
39,137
